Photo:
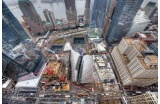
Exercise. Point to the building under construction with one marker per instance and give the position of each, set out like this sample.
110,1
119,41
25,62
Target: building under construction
56,75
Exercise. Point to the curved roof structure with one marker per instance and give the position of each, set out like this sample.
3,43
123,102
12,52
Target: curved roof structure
88,67
74,58
67,47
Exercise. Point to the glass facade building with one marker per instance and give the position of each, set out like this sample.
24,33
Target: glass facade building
12,32
123,16
98,14
20,55
154,47
29,11
12,69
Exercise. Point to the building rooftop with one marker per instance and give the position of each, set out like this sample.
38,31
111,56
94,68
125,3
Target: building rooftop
6,83
138,44
31,83
152,58
87,71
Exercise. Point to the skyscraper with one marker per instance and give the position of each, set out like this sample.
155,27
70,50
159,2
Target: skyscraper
70,10
29,11
135,62
12,69
32,21
123,16
149,8
112,4
26,56
139,23
49,16
12,31
98,14
153,13
87,11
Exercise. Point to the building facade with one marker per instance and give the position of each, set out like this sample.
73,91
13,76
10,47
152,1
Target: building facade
150,8
153,13
135,62
71,11
109,16
12,69
29,11
49,17
139,23
122,19
154,47
87,12
146,98
148,37
12,31
32,21
98,14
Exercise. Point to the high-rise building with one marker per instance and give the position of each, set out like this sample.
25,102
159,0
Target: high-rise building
123,16
98,14
11,68
49,17
29,11
32,21
12,31
150,9
147,36
70,10
112,4
154,47
135,62
17,59
29,60
153,13
87,12
146,98
139,23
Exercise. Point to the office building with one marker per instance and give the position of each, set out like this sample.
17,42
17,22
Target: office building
29,11
49,17
19,61
98,14
147,36
71,10
150,9
146,98
139,23
135,62
122,19
12,31
12,69
32,21
153,13
10,37
87,12
109,16
154,47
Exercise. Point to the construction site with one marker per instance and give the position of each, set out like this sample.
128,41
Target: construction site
55,76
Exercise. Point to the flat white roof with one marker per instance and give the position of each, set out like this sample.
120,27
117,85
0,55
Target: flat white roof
100,48
6,83
142,35
101,64
31,83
